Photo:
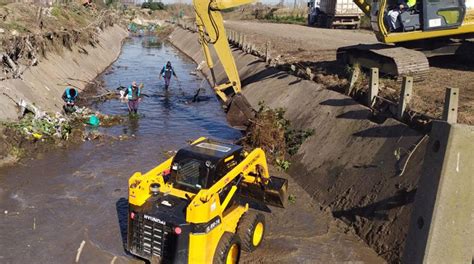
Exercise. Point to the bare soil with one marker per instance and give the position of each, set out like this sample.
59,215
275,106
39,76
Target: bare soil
316,48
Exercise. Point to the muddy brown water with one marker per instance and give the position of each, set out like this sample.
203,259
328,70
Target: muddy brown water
49,205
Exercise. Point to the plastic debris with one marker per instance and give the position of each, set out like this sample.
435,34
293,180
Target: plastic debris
93,120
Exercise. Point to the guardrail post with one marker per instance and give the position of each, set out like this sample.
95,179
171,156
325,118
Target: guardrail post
405,96
450,112
354,77
267,52
373,86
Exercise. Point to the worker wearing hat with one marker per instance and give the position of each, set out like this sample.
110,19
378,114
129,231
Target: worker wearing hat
166,73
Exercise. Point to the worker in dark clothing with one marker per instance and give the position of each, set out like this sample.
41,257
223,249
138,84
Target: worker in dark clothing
393,15
132,93
166,73
69,97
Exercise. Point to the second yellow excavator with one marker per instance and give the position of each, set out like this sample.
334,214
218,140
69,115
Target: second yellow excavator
427,28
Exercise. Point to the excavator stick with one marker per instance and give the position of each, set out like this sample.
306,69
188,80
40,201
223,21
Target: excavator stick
239,112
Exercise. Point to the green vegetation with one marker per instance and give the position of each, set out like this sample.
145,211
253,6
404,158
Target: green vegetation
44,127
228,10
283,164
273,133
287,19
291,198
153,5
15,26
56,11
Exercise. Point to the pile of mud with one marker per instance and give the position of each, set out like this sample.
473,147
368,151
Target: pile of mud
350,165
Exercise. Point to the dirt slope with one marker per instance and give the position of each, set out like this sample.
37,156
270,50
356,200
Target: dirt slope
316,48
348,165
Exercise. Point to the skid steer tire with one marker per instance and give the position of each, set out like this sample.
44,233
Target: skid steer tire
251,230
228,249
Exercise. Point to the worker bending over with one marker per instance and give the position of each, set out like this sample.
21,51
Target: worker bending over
393,15
69,97
133,93
166,72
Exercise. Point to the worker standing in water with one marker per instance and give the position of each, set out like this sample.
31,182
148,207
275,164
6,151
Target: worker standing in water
166,73
69,97
133,93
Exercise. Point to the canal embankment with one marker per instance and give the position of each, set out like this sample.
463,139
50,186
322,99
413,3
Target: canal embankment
70,49
364,172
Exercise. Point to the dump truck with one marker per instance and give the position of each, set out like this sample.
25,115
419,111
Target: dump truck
334,13
203,205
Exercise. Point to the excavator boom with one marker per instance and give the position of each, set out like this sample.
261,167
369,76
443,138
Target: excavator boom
212,32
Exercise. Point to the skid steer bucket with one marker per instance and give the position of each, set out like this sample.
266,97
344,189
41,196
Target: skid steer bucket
239,112
274,193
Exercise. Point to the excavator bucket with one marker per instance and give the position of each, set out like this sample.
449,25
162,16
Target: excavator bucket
274,193
239,112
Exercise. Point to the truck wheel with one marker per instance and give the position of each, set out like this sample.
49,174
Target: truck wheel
228,249
251,230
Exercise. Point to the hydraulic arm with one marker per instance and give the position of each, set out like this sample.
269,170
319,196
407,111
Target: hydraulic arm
212,32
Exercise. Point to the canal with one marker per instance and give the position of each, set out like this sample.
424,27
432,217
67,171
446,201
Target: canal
54,202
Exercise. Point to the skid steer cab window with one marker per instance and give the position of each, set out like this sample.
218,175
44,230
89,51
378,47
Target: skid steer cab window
190,175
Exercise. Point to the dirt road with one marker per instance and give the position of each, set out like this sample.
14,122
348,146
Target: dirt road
316,48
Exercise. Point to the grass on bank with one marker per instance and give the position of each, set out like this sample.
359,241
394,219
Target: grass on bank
274,134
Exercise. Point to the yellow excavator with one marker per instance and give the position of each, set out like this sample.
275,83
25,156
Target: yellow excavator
428,28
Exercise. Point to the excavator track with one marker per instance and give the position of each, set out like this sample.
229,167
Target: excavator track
391,60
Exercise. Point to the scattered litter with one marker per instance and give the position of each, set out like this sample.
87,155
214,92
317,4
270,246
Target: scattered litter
93,121
6,211
79,250
37,125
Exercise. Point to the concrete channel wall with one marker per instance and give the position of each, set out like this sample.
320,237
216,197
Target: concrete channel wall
350,165
43,85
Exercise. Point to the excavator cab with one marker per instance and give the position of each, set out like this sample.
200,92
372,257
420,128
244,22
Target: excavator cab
426,28
424,16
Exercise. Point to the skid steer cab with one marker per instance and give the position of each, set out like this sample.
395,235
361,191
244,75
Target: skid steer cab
202,205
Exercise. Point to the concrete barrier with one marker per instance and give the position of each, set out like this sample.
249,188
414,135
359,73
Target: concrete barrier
441,226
